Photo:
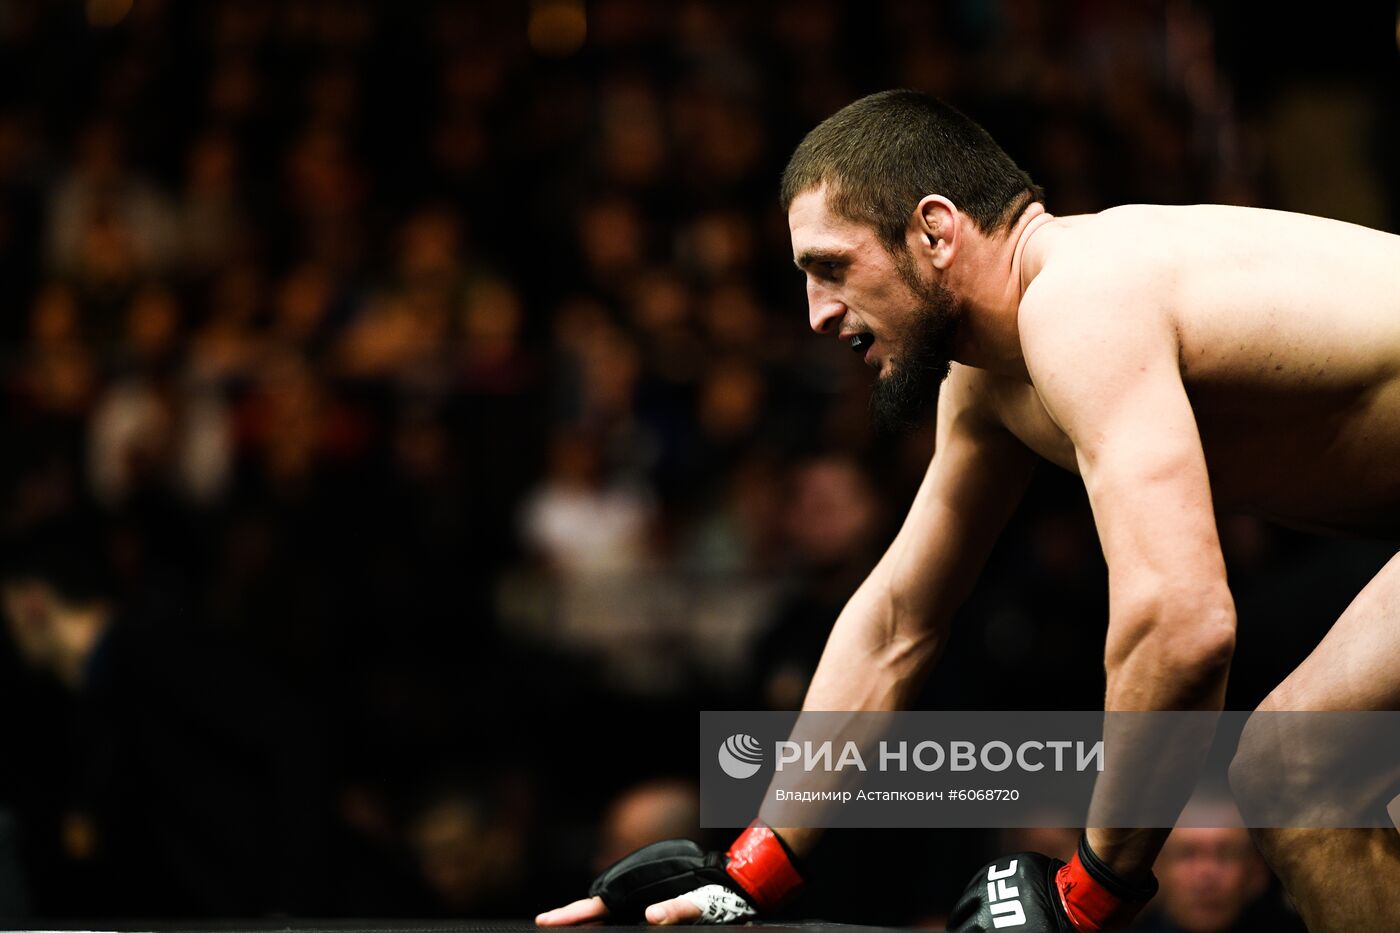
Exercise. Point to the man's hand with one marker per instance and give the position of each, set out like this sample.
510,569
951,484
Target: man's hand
677,882
1035,892
592,909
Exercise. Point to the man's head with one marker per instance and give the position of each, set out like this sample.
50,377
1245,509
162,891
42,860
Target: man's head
1209,876
879,197
834,512
662,808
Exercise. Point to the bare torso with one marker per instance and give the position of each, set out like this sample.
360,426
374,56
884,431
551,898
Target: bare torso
1289,343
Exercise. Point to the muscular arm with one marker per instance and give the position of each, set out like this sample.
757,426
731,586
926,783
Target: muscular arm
894,627
1105,362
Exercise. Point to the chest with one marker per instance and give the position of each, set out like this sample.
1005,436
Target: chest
1020,411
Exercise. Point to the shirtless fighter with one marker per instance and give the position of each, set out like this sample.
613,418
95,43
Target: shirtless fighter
1181,360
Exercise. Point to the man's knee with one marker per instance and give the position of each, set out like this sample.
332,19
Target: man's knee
1258,773
1263,778
1310,769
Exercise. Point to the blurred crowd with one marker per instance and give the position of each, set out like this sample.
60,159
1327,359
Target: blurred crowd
411,421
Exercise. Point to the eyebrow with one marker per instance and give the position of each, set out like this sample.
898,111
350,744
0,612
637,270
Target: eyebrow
808,257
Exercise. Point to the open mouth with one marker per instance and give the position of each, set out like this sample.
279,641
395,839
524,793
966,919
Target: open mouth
861,343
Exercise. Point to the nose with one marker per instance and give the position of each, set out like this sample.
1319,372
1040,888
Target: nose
823,309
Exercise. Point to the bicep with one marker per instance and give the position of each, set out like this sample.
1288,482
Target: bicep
1112,381
1149,488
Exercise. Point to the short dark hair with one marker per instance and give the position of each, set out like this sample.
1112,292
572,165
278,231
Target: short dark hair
882,154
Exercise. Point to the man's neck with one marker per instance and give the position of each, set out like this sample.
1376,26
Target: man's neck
992,276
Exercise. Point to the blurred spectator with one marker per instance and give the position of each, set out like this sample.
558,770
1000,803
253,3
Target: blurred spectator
151,429
582,523
741,530
1213,881
471,853
494,359
107,224
832,519
646,813
211,219
57,378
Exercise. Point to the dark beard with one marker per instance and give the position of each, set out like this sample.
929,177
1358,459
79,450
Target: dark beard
901,399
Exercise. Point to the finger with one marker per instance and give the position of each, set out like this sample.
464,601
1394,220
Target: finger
676,910
581,911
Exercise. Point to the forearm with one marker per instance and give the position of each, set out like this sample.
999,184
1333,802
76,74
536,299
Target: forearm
877,656
1179,666
894,627
875,660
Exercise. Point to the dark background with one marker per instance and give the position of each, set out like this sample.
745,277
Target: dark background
433,387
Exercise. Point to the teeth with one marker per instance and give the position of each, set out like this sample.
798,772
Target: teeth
858,342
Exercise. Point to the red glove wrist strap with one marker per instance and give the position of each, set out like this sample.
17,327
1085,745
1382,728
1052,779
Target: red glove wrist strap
1089,905
762,867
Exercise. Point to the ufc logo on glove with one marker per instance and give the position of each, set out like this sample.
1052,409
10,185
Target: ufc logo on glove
1003,898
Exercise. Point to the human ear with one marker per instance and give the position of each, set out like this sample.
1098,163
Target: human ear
937,222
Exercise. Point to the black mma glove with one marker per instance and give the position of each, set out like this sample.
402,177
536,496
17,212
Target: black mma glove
1033,893
757,874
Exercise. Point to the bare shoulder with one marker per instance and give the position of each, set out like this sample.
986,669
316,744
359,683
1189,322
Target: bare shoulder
1120,246
1102,279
